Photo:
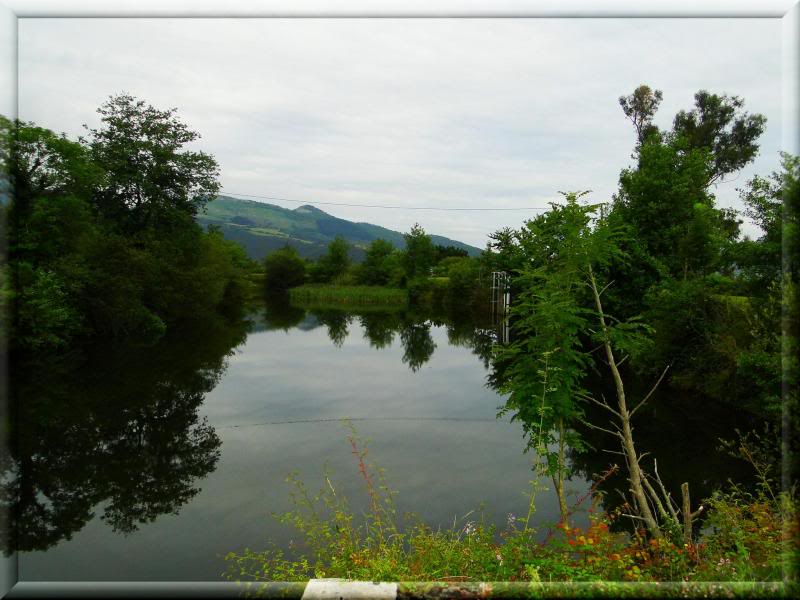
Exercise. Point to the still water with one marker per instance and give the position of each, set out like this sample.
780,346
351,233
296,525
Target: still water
152,463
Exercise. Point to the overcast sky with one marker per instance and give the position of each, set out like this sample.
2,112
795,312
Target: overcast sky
450,113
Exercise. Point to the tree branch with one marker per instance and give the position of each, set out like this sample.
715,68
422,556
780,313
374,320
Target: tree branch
650,393
605,287
664,491
633,517
604,405
612,451
608,431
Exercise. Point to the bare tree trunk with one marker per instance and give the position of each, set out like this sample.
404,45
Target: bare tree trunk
635,473
558,476
687,514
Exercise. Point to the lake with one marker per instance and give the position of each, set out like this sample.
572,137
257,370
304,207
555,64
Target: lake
151,463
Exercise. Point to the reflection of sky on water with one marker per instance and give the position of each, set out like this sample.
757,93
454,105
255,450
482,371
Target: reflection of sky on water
441,468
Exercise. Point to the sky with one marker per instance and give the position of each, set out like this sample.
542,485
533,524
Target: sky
412,113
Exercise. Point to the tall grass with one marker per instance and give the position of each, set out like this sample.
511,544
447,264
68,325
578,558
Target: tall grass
348,295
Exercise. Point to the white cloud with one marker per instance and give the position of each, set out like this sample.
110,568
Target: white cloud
410,112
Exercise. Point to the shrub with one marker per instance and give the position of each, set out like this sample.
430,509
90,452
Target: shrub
283,269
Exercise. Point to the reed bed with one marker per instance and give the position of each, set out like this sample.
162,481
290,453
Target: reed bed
348,295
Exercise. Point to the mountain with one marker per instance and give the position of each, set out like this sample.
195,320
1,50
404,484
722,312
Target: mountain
262,228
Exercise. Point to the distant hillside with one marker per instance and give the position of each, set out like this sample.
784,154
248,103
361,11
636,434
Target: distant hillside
262,228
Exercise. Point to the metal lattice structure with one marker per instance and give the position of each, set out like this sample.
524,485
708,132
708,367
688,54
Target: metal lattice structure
501,301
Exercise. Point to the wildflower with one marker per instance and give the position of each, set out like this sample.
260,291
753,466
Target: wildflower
511,519
469,528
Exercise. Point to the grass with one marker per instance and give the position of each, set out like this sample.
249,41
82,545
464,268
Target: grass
346,295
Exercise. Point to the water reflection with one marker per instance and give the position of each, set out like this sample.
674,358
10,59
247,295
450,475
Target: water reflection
411,381
115,426
382,325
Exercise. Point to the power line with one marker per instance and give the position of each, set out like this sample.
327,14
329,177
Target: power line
382,205
344,419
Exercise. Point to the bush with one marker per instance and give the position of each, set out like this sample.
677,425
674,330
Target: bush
283,269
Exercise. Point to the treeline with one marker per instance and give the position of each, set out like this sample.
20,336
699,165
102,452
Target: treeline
430,273
102,238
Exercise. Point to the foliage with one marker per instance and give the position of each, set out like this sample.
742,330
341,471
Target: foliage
284,269
101,234
544,367
640,107
462,279
150,180
666,199
449,251
358,294
333,264
420,253
378,267
718,124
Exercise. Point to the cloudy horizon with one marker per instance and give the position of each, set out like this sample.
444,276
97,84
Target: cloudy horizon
435,113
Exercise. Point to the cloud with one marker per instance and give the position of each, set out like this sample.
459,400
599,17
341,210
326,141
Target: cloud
411,112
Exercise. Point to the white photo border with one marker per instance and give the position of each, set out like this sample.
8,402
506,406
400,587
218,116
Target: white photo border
788,11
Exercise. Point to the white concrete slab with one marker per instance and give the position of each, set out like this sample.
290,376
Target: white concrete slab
341,589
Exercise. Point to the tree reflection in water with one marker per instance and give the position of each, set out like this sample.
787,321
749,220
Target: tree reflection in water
112,428
380,325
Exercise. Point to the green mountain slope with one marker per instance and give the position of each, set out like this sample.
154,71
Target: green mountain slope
262,228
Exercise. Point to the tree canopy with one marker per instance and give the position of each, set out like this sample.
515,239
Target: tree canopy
102,238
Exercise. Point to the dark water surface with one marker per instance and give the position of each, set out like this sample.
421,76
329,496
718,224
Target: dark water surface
152,463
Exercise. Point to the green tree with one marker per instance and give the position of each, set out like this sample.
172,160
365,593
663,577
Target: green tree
41,163
151,180
558,313
79,268
283,269
420,253
640,107
376,268
334,263
462,274
718,124
665,200
771,204
443,252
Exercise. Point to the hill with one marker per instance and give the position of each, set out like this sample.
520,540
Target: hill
262,228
